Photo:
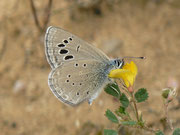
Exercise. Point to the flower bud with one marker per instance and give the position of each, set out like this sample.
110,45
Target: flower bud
172,95
130,89
169,94
165,93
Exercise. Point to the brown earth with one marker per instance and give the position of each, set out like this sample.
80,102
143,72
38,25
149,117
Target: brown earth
147,28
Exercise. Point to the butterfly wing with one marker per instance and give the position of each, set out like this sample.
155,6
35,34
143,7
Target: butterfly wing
78,80
62,46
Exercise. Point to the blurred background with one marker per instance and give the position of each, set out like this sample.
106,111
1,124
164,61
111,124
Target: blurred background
149,28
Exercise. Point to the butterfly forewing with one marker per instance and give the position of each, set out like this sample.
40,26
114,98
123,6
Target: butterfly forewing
62,46
77,81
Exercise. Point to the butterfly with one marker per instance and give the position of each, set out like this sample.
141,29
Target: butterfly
79,70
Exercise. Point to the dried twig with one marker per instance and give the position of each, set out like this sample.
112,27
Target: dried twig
2,51
35,15
141,128
167,117
47,12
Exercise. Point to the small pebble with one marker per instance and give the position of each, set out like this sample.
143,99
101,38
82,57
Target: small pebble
18,86
77,123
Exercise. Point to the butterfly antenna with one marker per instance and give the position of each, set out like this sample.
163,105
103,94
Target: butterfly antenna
129,57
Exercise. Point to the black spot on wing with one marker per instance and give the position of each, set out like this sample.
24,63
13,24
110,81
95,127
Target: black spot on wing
63,51
68,57
61,45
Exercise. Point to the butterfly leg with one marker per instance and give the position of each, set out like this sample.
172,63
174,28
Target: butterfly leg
90,100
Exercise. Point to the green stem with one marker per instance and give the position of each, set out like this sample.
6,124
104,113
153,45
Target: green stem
167,117
135,107
146,128
150,129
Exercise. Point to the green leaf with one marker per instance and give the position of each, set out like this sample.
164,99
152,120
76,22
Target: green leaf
141,95
124,100
131,123
110,132
159,133
113,90
122,110
111,116
176,131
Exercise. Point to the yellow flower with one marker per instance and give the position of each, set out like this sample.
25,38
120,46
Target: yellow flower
127,73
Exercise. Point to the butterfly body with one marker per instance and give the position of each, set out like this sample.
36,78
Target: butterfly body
79,70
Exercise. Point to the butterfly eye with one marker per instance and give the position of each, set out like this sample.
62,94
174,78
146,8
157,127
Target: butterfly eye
118,63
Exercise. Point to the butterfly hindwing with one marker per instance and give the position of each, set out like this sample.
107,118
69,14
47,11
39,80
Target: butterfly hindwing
77,81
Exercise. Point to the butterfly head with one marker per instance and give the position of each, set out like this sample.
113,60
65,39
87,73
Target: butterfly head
118,63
